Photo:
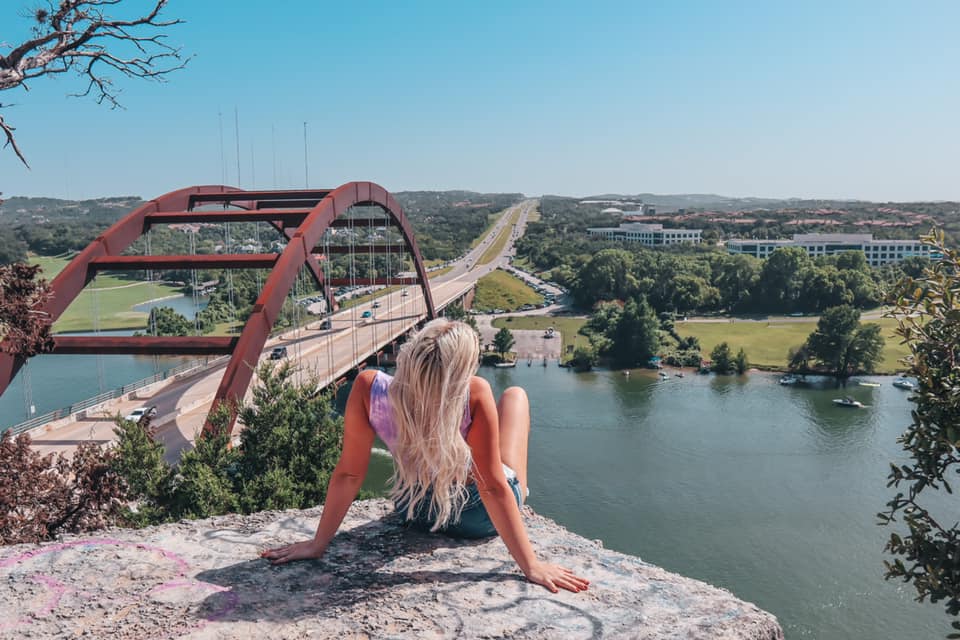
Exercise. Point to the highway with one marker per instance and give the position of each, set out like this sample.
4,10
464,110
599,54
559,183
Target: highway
183,402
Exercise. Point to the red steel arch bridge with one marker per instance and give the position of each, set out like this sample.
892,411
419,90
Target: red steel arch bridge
316,224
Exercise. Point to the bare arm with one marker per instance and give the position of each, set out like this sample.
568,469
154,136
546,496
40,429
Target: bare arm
346,479
498,498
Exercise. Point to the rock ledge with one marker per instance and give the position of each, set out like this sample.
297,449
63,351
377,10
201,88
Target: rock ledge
203,579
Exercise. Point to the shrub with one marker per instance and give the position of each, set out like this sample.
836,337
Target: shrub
44,496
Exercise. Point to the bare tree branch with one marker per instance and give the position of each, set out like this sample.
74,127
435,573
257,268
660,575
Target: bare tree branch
78,36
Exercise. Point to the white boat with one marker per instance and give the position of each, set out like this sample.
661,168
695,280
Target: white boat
789,379
505,365
904,383
664,374
848,402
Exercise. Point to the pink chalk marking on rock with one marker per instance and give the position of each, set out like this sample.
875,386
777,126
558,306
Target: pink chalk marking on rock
169,555
58,589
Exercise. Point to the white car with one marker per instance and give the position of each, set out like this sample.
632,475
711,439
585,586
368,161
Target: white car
139,414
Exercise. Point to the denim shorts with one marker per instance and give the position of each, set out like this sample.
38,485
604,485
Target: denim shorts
474,521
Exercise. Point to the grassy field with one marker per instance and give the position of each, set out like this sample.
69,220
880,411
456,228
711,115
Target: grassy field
534,215
568,328
767,344
497,246
493,221
112,296
500,290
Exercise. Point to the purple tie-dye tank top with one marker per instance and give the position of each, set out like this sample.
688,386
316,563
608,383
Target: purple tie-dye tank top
381,413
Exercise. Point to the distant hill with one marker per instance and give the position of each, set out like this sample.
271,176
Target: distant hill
717,202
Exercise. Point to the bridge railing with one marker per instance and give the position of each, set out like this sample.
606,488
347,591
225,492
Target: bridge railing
193,366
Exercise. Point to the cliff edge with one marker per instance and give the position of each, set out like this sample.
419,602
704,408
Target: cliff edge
204,579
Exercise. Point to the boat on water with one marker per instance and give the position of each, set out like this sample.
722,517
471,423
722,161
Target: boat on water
679,374
869,384
789,379
904,383
848,402
505,365
664,375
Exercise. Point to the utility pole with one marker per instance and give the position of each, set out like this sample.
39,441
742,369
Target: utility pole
306,170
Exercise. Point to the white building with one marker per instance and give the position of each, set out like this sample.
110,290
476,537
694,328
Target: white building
647,234
878,252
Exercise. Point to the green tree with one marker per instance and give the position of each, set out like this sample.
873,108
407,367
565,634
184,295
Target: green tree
636,336
928,315
503,341
165,321
740,363
140,462
605,277
842,345
289,445
780,278
721,358
584,358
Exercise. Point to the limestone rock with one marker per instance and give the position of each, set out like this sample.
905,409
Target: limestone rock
204,579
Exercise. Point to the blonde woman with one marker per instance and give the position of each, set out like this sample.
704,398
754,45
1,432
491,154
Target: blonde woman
460,458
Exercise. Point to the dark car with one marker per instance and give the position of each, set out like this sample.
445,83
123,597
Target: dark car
326,324
278,352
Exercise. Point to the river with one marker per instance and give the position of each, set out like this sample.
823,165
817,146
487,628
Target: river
768,491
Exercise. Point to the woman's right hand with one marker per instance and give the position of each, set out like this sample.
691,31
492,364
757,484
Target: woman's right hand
554,577
306,550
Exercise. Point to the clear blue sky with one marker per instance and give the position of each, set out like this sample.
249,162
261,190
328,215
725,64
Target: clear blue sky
811,99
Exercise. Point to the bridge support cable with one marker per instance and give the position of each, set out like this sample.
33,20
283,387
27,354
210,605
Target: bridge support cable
329,310
306,214
372,272
95,312
352,273
195,293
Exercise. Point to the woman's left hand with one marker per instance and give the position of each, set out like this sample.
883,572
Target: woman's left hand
306,550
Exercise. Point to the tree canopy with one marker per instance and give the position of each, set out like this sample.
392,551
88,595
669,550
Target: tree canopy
503,341
925,554
841,345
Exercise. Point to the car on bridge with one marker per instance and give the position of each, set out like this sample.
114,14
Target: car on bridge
326,324
278,352
139,414
366,314
375,305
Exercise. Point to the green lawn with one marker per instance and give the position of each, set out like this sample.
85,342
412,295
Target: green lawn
493,221
112,296
500,290
767,344
534,215
568,328
497,246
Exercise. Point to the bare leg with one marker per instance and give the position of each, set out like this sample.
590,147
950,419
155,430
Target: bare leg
514,412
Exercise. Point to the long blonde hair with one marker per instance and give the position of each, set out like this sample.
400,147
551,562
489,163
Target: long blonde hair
428,395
